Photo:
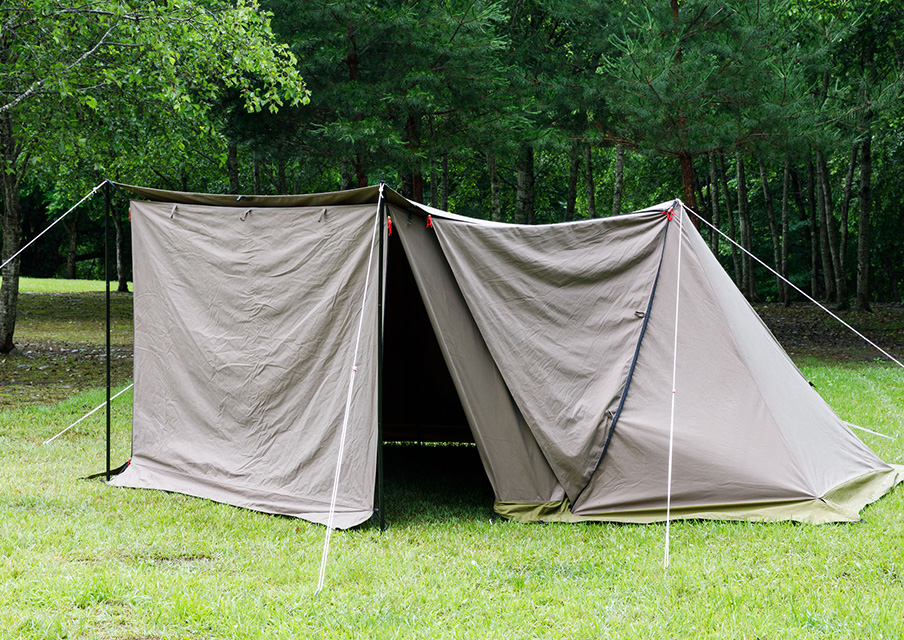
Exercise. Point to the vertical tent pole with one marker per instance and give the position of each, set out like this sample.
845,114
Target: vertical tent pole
107,281
381,294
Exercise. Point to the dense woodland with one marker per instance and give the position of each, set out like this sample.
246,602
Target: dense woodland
780,122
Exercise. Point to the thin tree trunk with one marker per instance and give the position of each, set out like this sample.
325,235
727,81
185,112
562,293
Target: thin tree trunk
732,226
589,185
434,184
846,194
841,289
702,202
444,182
256,174
72,252
360,173
122,279
619,178
786,206
346,174
773,228
863,229
746,239
281,182
888,265
495,188
232,167
524,199
574,168
714,199
828,269
814,231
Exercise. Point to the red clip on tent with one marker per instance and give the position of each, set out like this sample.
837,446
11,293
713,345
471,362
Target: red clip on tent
550,346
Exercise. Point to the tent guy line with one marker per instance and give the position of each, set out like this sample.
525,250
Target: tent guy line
90,413
348,401
798,289
668,503
53,224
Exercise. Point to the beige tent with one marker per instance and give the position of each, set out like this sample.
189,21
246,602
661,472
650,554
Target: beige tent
551,347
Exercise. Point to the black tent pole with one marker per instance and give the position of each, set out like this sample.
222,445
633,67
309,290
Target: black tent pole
107,279
380,293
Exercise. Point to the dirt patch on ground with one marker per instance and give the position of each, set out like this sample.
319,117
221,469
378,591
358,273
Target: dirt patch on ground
809,333
61,340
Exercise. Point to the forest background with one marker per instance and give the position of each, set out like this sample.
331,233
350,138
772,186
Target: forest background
780,122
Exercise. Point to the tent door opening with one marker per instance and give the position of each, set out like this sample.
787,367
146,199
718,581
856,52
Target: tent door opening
420,403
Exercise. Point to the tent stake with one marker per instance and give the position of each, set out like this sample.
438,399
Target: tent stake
107,280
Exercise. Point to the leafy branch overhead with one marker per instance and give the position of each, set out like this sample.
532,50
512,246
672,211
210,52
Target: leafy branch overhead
183,52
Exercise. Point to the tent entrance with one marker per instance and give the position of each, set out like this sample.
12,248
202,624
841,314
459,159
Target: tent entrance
420,403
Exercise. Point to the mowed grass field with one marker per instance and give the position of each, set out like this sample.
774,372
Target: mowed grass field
79,559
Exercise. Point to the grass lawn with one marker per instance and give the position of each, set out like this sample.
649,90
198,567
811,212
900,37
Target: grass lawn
79,559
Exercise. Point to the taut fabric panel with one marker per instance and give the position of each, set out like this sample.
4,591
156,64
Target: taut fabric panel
514,463
749,430
245,328
560,308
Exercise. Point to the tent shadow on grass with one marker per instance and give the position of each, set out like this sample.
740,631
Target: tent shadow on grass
427,482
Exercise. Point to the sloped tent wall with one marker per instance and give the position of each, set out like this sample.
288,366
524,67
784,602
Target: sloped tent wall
764,446
539,328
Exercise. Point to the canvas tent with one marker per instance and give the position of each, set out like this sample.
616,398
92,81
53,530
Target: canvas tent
552,347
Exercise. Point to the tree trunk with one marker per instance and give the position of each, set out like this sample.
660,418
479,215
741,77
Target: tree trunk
813,227
732,226
72,253
444,182
888,265
524,199
773,228
255,175
687,182
12,211
846,194
785,289
589,186
841,289
863,230
714,199
346,175
828,270
360,173
232,167
749,288
122,278
495,188
434,184
281,182
574,168
619,178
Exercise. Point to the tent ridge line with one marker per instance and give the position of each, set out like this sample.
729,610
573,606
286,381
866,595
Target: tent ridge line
624,395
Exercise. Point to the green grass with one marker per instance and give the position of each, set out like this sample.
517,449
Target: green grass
59,285
79,559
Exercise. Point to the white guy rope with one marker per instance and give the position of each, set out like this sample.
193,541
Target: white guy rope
875,433
668,499
92,412
799,290
52,224
348,404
